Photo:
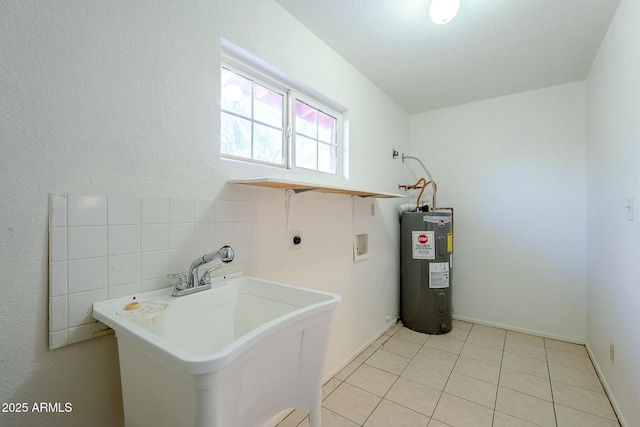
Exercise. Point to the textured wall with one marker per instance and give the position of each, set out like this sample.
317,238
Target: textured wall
122,98
613,175
513,168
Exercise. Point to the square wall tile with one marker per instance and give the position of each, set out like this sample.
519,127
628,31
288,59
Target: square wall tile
243,231
154,265
123,210
88,331
155,210
81,306
124,290
225,233
124,239
155,237
180,211
180,260
181,236
224,211
58,339
204,211
87,242
124,269
87,210
204,234
87,274
244,211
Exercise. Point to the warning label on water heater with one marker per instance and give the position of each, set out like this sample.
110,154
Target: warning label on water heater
439,275
423,244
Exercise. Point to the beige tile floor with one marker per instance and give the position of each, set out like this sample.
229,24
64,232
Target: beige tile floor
473,376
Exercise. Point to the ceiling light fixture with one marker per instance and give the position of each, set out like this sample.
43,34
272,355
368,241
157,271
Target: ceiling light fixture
443,11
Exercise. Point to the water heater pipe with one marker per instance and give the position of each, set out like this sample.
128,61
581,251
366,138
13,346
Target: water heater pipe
435,187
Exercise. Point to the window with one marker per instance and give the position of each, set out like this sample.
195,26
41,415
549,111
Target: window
264,120
252,120
315,138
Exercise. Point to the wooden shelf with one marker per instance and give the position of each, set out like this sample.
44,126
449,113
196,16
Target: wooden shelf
300,187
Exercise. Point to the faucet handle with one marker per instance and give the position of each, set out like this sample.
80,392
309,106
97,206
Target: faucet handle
182,280
206,277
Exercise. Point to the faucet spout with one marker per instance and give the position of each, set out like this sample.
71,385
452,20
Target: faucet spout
225,254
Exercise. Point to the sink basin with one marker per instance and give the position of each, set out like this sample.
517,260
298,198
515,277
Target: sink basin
233,355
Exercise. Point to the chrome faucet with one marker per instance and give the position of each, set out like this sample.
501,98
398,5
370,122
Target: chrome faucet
188,284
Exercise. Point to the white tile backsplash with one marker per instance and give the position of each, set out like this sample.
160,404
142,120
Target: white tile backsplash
155,237
124,269
58,313
86,242
155,210
81,306
181,210
181,236
154,265
204,211
87,274
58,278
103,247
204,234
124,239
244,211
224,211
58,211
87,210
123,210
225,233
58,244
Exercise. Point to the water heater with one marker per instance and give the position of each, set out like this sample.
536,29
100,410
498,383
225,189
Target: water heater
426,267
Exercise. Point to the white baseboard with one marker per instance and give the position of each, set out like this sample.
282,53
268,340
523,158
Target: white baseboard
360,349
523,330
607,389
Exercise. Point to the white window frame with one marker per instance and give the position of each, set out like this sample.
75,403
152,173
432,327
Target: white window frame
275,87
245,64
324,109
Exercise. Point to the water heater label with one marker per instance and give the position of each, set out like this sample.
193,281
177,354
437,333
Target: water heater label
423,245
439,275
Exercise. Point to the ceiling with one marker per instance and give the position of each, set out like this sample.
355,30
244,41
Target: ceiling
492,48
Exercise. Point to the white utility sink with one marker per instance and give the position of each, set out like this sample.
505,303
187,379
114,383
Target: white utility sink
233,355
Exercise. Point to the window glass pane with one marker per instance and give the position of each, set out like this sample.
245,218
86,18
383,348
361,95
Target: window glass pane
326,128
306,122
236,93
267,106
306,152
235,136
327,158
267,144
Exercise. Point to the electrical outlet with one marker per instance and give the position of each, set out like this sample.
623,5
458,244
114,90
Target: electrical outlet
295,240
612,354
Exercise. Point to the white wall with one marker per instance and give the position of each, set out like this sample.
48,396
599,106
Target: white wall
513,169
122,98
613,175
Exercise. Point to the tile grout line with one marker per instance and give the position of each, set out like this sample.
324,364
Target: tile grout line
398,376
553,399
495,402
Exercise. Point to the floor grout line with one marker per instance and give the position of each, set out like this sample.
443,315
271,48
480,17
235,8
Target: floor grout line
490,344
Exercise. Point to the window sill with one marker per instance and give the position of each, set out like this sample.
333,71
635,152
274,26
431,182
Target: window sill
299,187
